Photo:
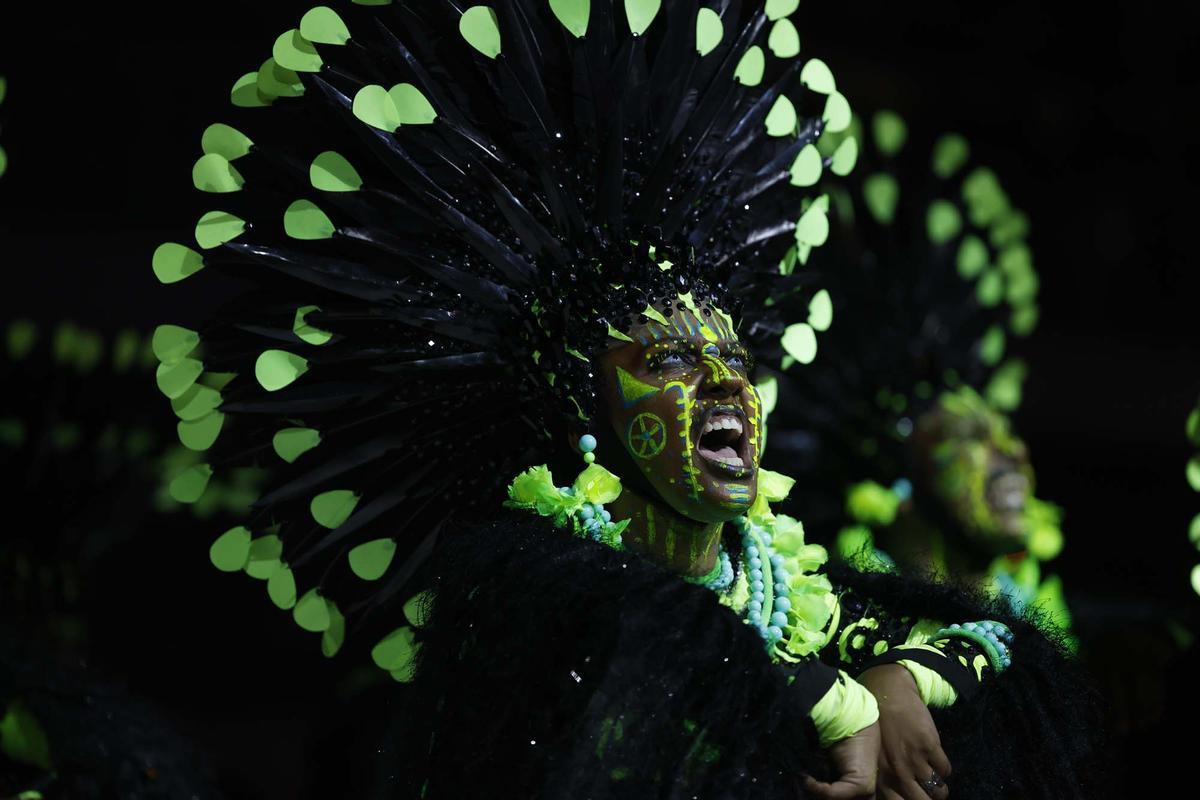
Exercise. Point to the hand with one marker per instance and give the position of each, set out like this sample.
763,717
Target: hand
910,751
855,759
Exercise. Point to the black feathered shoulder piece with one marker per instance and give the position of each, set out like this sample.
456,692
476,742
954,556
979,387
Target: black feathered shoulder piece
443,212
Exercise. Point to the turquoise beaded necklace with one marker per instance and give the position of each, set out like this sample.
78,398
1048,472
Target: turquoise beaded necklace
582,508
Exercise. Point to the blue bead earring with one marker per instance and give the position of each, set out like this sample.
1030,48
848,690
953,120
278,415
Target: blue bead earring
587,446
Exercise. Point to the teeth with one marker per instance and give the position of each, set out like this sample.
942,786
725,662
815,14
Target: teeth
723,422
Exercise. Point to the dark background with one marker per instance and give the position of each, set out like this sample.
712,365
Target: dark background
1085,116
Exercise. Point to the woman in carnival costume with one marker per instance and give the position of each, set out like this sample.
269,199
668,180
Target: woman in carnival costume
491,241
906,454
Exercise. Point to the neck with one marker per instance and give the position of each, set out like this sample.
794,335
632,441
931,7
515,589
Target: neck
657,532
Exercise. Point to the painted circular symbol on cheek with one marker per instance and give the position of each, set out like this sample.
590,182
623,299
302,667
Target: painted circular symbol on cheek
647,435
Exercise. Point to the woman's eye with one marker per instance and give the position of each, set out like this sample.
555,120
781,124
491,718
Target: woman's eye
736,361
672,358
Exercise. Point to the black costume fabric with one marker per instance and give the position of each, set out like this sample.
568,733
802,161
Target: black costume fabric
555,667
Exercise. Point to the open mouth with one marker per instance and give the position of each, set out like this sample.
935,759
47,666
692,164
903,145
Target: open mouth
723,442
1006,492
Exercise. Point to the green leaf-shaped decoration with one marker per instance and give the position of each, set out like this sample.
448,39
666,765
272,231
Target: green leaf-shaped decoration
200,434
330,509
845,157
418,608
817,77
709,30
943,222
881,194
171,343
223,140
188,486
175,379
264,558
776,9
213,173
1192,426
173,262
291,443
323,25
800,342
374,106
781,119
889,132
986,200
335,634
275,80
640,13
195,402
991,346
231,551
245,93
573,14
306,331
304,220
394,650
292,51
806,168
1009,228
281,587
812,228
837,114
480,26
23,739
784,39
1193,473
820,311
276,369
749,70
990,289
217,227
411,106
331,172
371,559
21,337
126,346
972,257
1193,531
311,612
1004,389
1024,320
950,152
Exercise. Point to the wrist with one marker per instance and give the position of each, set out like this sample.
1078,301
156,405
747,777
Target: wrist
887,679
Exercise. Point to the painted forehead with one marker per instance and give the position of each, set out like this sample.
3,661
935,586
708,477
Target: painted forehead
686,320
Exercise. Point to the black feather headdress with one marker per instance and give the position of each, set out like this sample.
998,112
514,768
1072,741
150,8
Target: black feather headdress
933,285
445,211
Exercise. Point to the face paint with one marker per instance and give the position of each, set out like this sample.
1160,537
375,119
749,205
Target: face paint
680,400
647,436
977,470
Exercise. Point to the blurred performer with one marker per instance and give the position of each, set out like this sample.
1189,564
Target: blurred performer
904,440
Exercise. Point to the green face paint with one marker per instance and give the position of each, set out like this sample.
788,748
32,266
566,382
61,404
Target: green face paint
632,390
647,436
681,403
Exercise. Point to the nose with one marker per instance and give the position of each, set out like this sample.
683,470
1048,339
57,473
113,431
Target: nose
720,381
